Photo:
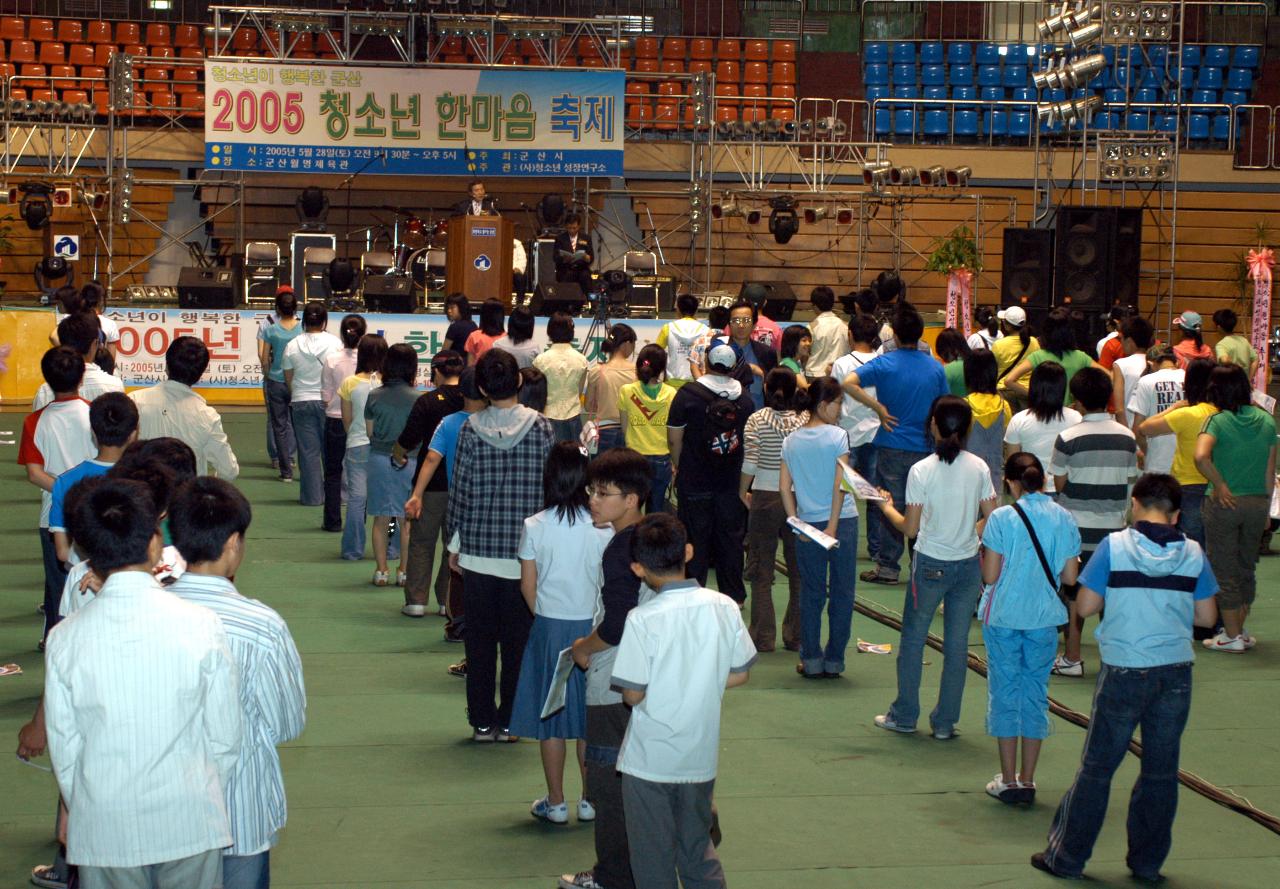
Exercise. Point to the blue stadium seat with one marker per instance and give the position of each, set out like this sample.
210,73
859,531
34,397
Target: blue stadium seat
960,54
987,54
1017,54
906,91
1126,76
1106,120
903,53
1114,96
1109,52
937,126
876,53
1056,95
1136,58
966,125
1204,97
1240,79
884,122
1020,125
1217,56
904,123
1245,57
877,92
1103,80
1166,123
1014,76
1191,56
1235,97
960,75
903,73
934,92
995,124
1023,94
931,54
989,75
876,75
933,75
962,93
1137,121
1209,78
1158,56
1198,127
1221,131
992,94
1145,97
1187,77
1152,79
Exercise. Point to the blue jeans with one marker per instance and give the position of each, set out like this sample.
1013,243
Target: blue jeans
863,460
827,577
1190,520
308,429
355,474
892,466
280,425
610,437
246,871
567,430
1158,699
935,581
661,466
271,434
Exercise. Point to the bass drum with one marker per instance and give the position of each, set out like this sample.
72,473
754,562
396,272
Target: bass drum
426,266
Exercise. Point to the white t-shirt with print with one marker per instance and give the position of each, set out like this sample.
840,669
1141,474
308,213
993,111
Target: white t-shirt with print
1154,393
950,494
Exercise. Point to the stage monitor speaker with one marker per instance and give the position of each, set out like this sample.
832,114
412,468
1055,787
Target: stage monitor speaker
644,287
389,293
1026,278
557,296
1126,257
779,302
206,288
1082,264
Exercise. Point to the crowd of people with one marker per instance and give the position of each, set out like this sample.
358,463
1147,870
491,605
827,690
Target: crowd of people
579,510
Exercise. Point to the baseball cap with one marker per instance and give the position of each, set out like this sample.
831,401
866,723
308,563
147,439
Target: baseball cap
1014,315
1190,321
283,289
722,356
444,358
470,388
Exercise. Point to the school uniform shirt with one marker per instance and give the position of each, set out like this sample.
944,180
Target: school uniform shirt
1131,369
57,437
144,725
1152,394
273,704
65,482
830,340
1022,598
1072,362
567,552
335,368
679,338
763,436
173,409
96,382
646,415
1186,423
565,369
1244,440
355,390
1029,433
811,454
170,567
679,649
907,381
523,353
1099,457
305,356
950,494
858,421
1150,577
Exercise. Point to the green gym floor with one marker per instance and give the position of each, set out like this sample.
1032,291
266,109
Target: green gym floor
386,790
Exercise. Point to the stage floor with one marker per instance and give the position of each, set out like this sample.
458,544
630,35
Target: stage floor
385,789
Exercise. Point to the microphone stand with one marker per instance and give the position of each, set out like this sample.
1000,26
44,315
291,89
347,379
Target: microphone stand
346,183
653,230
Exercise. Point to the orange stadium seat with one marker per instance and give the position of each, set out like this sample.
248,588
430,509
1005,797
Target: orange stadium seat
639,113
163,102
160,52
646,48
667,114
189,35
22,51
75,96
701,66
34,75
672,66
70,31
53,54
784,51
128,32
134,49
587,47
756,51
755,90
647,66
730,49
674,48
155,80
726,96
755,111
42,95
452,46
191,52
40,30
755,72
100,32
244,42
63,77
726,113
92,77
12,28
701,48
727,72
784,72
6,71
79,54
782,112
192,104
102,54
186,80
592,62
158,34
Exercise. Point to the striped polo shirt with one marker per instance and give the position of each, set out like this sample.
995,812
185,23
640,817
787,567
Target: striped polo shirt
1099,457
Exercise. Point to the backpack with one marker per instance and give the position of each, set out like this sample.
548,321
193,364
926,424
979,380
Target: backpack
722,440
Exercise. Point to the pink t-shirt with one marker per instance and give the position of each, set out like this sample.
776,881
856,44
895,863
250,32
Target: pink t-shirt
766,331
479,342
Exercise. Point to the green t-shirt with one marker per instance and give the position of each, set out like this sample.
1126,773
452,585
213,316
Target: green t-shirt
793,365
1244,439
1073,362
955,377
1237,350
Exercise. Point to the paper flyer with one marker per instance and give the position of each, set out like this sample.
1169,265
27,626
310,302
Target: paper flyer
559,683
818,537
866,647
858,486
10,670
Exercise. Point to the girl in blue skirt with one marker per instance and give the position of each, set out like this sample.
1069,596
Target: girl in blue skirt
560,574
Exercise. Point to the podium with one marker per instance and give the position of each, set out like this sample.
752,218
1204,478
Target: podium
479,258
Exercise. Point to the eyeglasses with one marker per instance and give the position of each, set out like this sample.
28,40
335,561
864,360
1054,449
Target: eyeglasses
596,492
740,322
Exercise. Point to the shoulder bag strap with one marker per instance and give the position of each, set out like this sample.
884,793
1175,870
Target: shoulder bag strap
1035,541
1011,366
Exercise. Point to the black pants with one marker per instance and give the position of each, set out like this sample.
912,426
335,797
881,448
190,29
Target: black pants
497,618
580,275
55,578
716,523
606,726
335,448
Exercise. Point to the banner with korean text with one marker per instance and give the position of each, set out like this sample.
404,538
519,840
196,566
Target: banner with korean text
297,118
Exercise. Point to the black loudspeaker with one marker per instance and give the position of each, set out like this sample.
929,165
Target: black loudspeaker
779,299
389,293
1027,276
1126,257
206,288
1082,265
557,296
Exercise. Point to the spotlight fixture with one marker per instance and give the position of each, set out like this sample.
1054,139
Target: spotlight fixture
1068,112
931,177
958,177
753,217
124,207
832,127
1135,160
312,207
724,129
698,97
122,86
617,285
844,216
903,175
50,270
876,173
1135,21
1071,74
341,276
550,211
36,204
814,214
783,221
727,207
697,213
90,198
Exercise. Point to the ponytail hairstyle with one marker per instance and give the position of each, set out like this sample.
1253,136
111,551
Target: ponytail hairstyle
1025,469
651,364
564,481
619,336
353,327
821,392
986,317
952,416
1226,320
780,389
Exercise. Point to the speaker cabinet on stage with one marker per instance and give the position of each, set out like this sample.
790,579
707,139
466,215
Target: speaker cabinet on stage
1126,256
779,301
206,288
1082,273
645,289
389,293
1026,279
557,296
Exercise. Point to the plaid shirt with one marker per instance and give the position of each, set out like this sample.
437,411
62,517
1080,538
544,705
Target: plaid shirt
493,491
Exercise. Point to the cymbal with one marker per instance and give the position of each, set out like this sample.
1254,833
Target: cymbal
401,210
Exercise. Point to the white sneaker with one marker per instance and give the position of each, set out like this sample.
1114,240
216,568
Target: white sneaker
1223,642
1064,667
999,790
414,610
1249,641
885,721
586,811
544,811
401,577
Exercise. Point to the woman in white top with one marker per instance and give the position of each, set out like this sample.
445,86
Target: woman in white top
809,481
353,394
303,363
762,440
1037,428
949,496
988,329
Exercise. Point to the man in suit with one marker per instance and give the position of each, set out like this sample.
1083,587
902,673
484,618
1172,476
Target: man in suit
477,204
756,358
567,244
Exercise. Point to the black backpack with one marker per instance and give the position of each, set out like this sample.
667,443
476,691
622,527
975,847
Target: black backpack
722,439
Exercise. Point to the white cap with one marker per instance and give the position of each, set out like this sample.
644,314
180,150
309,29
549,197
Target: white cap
1014,315
722,357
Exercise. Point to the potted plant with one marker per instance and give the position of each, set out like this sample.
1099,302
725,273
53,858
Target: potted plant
956,256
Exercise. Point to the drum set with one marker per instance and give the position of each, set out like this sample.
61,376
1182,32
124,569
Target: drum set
419,248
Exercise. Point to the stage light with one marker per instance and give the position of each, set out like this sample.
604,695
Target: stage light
698,96
814,214
933,176
95,199
844,216
789,129
1135,160
753,217
876,173
783,221
36,204
833,127
550,211
617,286
724,129
902,175
727,207
958,177
341,276
50,270
312,207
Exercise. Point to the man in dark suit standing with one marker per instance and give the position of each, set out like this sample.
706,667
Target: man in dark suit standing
477,204
574,255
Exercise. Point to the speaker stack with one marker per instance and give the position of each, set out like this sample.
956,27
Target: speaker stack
206,288
557,296
779,301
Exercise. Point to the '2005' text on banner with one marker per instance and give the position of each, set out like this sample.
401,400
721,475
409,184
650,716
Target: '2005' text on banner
293,118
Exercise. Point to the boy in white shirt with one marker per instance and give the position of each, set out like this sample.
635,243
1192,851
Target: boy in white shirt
679,652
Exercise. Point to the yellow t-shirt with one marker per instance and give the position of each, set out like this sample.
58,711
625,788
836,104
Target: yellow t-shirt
1007,348
1186,423
646,417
